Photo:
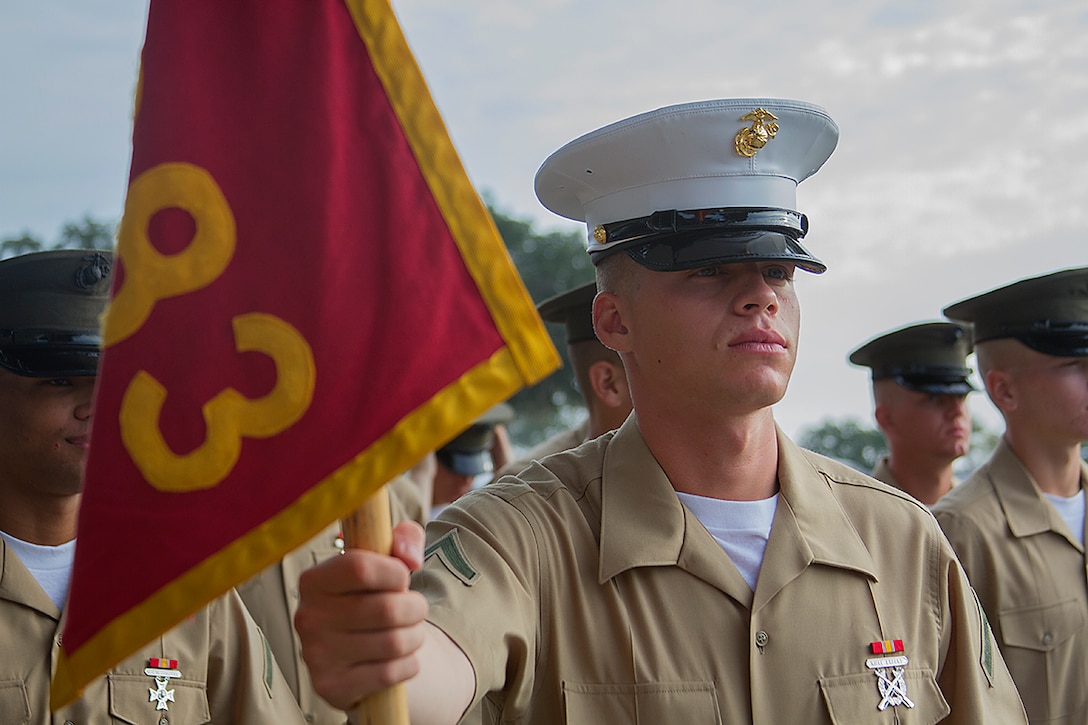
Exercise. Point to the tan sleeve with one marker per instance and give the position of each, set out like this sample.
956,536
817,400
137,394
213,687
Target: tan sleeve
974,678
245,685
473,572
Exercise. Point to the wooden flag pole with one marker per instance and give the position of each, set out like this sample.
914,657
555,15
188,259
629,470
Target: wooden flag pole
370,527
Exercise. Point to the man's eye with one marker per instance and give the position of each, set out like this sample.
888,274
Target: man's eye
781,273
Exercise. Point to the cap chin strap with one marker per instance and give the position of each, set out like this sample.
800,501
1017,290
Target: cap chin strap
1057,344
1050,337
675,239
673,221
50,353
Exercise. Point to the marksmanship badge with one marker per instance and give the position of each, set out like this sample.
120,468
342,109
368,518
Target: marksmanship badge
890,677
162,670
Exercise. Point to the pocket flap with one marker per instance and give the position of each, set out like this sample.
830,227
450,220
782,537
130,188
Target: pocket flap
1041,627
14,702
853,699
131,700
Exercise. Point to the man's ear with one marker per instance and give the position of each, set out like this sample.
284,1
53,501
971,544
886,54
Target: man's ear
609,383
608,322
884,418
1001,389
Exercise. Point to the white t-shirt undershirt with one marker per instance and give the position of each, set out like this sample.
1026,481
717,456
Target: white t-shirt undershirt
1072,510
740,527
51,566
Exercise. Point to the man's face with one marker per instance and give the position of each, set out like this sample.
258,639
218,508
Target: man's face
1051,395
449,485
44,429
930,425
720,338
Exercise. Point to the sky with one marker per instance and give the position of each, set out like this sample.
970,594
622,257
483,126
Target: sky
963,132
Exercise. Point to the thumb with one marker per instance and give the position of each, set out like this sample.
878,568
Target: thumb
408,538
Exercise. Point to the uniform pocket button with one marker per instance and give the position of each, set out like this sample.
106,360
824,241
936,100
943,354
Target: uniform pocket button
1048,639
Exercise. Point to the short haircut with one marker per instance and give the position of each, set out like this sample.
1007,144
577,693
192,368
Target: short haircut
614,273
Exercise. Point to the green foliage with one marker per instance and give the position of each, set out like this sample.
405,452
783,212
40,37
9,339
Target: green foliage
848,441
549,263
15,246
88,233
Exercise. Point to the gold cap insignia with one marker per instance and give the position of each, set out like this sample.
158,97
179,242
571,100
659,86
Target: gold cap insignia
752,139
599,234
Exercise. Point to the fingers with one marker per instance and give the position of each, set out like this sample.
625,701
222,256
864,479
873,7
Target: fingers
359,624
349,666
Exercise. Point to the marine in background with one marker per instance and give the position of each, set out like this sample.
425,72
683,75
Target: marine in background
598,373
1017,522
920,386
214,666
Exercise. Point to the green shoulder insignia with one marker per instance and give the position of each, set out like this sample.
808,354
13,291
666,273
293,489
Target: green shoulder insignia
269,665
986,654
449,551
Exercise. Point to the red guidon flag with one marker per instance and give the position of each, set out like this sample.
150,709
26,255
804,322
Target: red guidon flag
308,297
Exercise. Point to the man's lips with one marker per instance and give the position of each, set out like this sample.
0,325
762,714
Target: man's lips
81,441
759,340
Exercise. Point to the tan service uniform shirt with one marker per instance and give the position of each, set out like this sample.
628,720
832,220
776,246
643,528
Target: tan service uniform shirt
1029,572
584,592
227,671
272,598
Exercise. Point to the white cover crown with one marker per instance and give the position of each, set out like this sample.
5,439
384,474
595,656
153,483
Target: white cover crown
684,157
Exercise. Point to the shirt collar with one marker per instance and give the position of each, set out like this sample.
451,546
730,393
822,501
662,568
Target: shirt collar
1026,509
643,522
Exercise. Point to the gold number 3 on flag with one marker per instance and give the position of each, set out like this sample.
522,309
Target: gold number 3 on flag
152,276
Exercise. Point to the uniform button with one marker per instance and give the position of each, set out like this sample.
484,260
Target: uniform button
164,720
59,640
1048,638
69,722
761,638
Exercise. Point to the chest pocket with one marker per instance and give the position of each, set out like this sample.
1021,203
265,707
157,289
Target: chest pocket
648,703
14,703
853,699
1043,652
1043,628
131,701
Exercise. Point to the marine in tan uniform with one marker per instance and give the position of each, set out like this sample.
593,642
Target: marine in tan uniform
695,566
598,372
920,387
272,599
1017,523
214,667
